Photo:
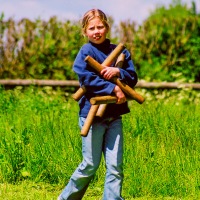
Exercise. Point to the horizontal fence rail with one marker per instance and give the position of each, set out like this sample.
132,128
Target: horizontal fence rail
75,83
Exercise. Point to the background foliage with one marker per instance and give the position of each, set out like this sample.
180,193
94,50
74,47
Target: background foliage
166,47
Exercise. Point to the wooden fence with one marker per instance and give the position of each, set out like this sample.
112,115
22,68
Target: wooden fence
74,83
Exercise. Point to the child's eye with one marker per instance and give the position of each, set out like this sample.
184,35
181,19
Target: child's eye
100,27
91,28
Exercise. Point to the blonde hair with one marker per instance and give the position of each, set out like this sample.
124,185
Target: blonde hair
91,14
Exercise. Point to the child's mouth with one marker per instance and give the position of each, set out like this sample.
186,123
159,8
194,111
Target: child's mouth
97,37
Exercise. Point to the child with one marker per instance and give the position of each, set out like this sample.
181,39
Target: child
105,135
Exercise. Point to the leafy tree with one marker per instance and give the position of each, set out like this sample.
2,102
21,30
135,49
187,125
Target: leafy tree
167,45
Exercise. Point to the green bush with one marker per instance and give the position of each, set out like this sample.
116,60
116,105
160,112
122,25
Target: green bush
166,47
39,50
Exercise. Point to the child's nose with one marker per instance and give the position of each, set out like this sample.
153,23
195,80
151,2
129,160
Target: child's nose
96,30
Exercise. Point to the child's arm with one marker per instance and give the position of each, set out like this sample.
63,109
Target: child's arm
88,77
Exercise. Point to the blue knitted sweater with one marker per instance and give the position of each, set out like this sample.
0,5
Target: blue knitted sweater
95,84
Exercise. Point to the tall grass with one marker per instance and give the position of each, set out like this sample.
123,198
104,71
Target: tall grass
162,142
40,142
38,134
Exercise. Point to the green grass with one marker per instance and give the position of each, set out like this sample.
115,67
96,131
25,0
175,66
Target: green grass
40,146
43,191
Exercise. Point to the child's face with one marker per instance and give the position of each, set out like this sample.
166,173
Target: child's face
96,31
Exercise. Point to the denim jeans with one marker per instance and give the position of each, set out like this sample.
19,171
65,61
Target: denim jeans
105,135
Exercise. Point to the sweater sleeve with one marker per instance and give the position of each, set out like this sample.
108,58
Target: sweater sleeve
92,81
128,73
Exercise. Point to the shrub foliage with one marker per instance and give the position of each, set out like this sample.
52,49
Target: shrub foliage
166,47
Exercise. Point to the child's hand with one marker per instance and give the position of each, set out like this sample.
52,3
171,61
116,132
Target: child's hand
121,98
110,72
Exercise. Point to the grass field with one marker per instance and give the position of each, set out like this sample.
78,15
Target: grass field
43,191
40,146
